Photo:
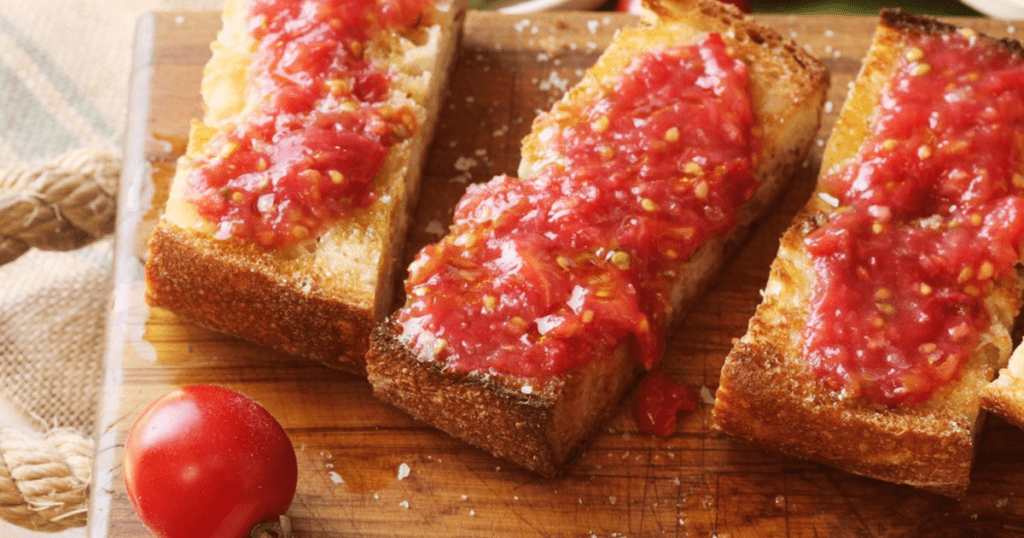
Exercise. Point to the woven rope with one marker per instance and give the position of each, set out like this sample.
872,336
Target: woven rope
44,480
60,205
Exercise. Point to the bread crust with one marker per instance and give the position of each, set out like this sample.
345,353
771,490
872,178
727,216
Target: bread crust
767,393
1005,395
204,281
545,428
322,298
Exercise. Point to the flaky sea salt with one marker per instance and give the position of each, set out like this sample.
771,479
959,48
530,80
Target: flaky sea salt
554,81
829,199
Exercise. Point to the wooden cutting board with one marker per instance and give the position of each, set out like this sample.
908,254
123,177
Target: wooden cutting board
350,447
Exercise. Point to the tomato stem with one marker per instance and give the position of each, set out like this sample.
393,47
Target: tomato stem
282,528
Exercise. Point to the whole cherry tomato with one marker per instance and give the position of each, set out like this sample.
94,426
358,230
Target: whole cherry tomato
206,461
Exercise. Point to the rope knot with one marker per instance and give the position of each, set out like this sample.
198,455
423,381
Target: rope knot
60,205
44,480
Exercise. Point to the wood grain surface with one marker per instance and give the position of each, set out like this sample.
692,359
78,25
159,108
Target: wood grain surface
350,447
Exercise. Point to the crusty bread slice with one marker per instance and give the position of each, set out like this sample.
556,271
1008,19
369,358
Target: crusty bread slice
541,424
319,299
1005,395
768,394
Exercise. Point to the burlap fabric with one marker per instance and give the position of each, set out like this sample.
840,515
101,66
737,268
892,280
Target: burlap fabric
64,67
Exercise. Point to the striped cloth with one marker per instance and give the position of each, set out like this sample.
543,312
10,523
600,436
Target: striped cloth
64,68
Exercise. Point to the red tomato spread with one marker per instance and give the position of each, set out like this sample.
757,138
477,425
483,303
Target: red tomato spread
659,400
929,215
539,275
309,150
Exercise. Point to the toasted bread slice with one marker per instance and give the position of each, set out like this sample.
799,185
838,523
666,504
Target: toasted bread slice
321,297
540,422
1005,395
768,393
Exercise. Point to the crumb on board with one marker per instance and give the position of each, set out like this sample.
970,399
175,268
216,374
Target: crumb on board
435,227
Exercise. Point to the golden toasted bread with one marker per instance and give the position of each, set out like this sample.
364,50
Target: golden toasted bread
321,297
1005,395
541,422
769,394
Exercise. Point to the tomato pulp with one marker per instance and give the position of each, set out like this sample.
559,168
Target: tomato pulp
539,275
930,215
308,152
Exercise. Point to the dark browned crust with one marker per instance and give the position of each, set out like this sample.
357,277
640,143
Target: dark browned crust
722,15
491,411
767,394
235,290
902,21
